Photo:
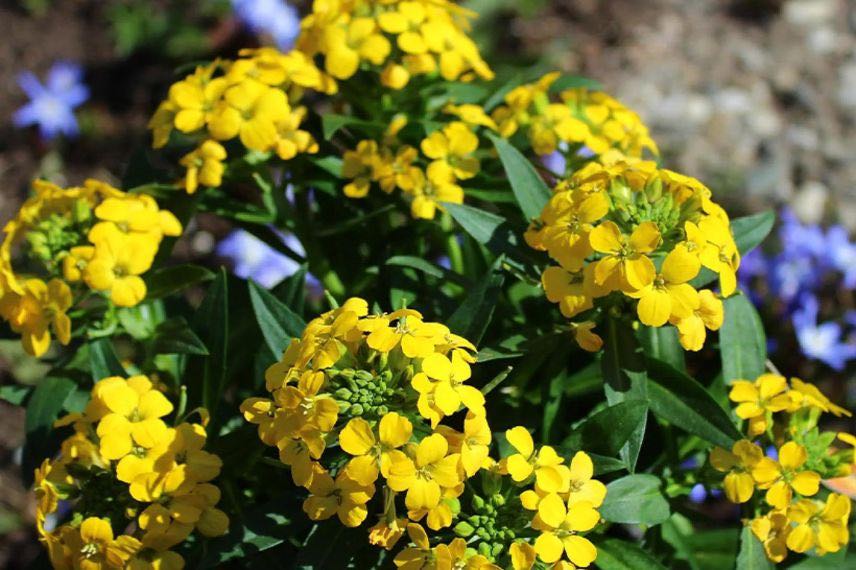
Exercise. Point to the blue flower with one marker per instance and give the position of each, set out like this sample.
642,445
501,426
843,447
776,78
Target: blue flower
841,253
792,273
52,105
254,259
820,341
799,239
274,17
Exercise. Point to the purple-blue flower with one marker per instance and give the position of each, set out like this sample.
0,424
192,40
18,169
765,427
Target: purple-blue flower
841,254
820,341
52,104
274,17
254,259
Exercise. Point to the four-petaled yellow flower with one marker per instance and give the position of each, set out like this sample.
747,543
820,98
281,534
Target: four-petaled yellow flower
758,400
738,464
342,496
625,265
546,463
374,455
426,474
781,478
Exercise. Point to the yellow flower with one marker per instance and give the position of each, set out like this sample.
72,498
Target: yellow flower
451,150
358,165
95,548
719,252
758,400
806,394
192,101
786,475
38,309
204,166
250,110
669,295
300,452
553,124
418,556
708,313
473,115
546,464
560,524
307,406
134,409
822,526
416,338
374,455
586,337
522,555
429,194
292,140
569,219
581,485
475,446
568,289
117,264
773,530
426,475
263,413
738,464
343,497
75,262
349,43
387,533
455,555
625,266
444,378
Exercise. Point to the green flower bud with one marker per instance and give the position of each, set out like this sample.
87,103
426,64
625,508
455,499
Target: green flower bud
464,529
357,410
477,503
484,549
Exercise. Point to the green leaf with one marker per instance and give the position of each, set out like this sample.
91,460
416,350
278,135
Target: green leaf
292,289
607,431
169,280
278,323
635,499
103,361
529,188
625,378
749,232
752,555
830,561
662,343
15,394
615,554
575,82
489,229
331,123
43,409
176,337
686,404
425,267
742,343
471,318
211,323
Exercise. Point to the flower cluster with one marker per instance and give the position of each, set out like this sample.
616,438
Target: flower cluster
253,99
400,39
428,175
137,487
629,232
69,241
582,118
358,411
379,386
785,415
812,264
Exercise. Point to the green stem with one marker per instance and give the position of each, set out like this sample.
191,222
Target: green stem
453,247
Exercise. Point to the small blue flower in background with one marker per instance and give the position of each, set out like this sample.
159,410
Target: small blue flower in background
841,253
820,341
52,104
254,259
274,17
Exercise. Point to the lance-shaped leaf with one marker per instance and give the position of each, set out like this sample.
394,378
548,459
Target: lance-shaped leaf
278,323
529,188
742,343
635,499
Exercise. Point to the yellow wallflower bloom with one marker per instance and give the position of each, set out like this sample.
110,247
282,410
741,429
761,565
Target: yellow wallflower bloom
669,295
545,463
40,308
300,452
451,149
386,534
522,555
738,463
475,446
204,166
820,525
117,264
757,400
134,409
419,555
94,546
429,194
444,378
343,497
586,337
416,338
582,487
250,110
773,531
426,475
349,43
708,314
373,456
559,524
805,394
625,265
781,478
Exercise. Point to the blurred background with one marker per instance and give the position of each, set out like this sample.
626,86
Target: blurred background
757,98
